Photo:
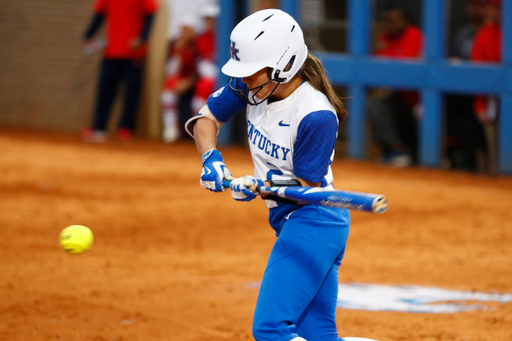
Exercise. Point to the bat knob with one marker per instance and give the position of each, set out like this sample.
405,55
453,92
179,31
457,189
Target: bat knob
380,204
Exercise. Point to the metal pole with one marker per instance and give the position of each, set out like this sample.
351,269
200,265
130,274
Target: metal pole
225,24
434,18
505,128
360,13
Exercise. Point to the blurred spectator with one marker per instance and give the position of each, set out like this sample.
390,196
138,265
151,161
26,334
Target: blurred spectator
487,48
463,39
393,114
191,72
128,26
181,75
465,141
207,68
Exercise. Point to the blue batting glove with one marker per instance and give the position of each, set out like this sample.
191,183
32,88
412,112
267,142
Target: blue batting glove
214,171
245,189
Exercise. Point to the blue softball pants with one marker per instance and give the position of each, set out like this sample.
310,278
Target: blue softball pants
299,290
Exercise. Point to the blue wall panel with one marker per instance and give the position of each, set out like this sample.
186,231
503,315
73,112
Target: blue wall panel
356,121
429,128
431,75
505,135
447,76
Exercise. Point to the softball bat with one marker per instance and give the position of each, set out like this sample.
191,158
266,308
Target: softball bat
366,202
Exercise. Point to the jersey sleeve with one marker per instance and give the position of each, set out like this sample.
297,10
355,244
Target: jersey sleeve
149,6
224,104
314,145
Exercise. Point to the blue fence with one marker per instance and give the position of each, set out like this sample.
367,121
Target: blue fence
432,76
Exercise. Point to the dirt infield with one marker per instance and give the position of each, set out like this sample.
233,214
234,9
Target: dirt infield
172,261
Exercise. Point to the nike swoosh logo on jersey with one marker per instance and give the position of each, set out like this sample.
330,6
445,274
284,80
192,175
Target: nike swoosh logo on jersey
281,124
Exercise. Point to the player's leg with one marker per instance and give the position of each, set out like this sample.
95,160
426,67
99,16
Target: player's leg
382,113
108,83
133,77
318,321
170,113
309,243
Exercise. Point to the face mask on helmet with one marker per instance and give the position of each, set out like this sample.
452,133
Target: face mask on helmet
269,39
249,95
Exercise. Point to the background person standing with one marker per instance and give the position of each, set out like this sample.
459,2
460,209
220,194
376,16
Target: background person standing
487,48
393,115
128,27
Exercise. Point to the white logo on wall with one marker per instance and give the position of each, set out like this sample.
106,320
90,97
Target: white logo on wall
413,299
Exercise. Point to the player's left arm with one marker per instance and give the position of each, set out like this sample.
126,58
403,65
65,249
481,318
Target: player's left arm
314,147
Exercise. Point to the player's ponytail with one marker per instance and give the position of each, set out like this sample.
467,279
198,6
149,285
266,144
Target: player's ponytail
313,72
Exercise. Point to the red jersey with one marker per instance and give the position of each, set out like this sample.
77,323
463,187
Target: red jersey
408,45
125,19
205,45
187,60
487,44
486,48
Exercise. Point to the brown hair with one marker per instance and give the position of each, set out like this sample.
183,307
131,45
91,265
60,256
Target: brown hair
313,72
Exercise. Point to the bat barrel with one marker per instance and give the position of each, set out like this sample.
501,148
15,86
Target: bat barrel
367,202
375,203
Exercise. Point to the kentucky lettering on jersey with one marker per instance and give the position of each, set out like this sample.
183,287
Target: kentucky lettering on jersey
264,143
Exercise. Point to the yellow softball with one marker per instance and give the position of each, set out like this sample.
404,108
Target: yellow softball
76,239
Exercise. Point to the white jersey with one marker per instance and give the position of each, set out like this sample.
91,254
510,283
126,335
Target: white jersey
272,132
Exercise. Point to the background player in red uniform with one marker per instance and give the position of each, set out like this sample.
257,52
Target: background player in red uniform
128,26
181,76
207,68
487,48
393,115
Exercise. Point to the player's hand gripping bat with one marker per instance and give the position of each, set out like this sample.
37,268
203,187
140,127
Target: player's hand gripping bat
367,202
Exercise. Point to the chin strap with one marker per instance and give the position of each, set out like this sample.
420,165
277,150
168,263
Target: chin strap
244,94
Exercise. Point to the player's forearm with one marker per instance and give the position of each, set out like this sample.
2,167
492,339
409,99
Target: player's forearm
94,25
205,135
148,23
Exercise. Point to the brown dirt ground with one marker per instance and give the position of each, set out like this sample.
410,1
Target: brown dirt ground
172,261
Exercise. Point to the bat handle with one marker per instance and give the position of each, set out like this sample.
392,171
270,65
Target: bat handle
226,184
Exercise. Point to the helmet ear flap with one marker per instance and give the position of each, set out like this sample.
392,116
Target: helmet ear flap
273,74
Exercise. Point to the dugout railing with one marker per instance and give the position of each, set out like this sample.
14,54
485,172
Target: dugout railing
432,75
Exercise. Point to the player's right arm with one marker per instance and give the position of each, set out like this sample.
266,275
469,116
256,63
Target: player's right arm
204,127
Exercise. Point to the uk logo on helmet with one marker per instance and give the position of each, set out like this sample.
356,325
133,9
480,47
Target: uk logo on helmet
234,51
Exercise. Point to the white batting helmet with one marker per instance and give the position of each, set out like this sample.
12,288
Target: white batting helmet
268,38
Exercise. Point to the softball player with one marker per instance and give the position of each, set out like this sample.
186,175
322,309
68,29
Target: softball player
292,122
